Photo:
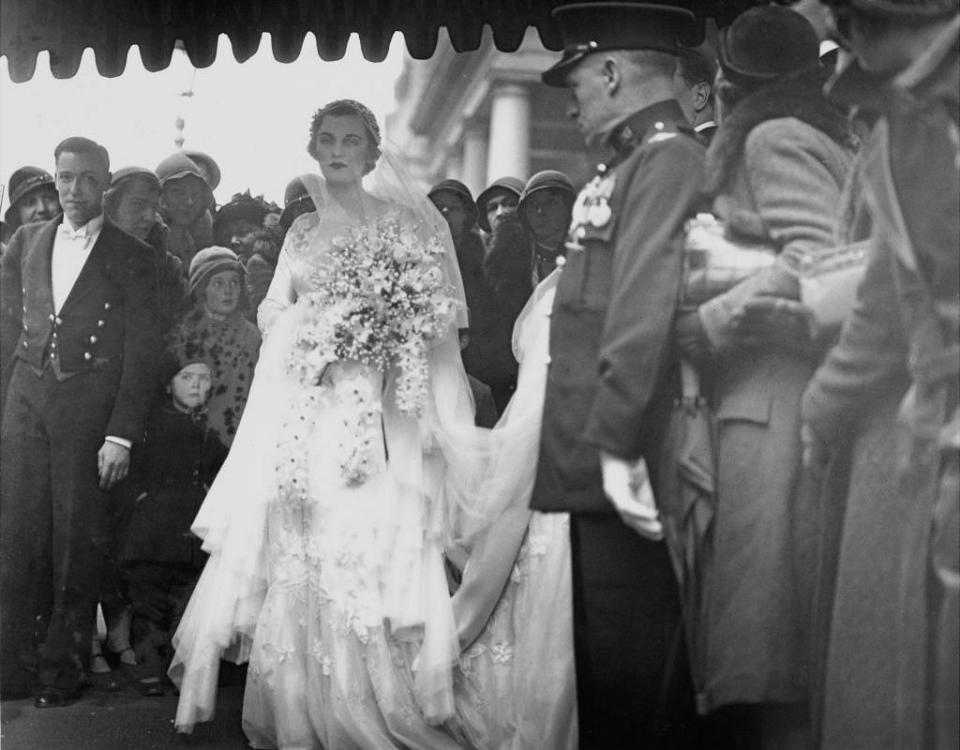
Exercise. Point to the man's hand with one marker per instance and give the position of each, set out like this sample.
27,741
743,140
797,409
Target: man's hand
113,463
627,485
776,321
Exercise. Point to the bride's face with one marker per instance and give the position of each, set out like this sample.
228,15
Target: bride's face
342,148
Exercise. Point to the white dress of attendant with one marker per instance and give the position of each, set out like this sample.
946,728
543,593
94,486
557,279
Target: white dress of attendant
335,594
515,681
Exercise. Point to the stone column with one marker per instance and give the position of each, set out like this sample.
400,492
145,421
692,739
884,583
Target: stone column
509,151
474,164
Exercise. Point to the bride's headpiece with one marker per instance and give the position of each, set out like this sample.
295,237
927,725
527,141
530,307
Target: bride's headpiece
348,107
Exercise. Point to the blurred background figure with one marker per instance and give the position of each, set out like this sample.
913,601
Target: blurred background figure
498,200
132,202
236,223
696,71
186,204
296,202
33,197
544,209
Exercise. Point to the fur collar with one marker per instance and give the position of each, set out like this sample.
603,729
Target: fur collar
799,95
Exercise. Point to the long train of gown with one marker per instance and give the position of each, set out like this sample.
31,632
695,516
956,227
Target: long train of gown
515,685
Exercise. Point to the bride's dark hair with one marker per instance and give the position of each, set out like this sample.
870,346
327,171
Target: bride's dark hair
342,107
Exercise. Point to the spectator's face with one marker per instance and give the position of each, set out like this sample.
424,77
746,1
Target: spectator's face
235,234
40,205
223,293
342,147
190,387
136,210
453,211
184,199
547,214
501,203
81,180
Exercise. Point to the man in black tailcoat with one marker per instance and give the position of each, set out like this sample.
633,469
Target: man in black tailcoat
610,384
79,317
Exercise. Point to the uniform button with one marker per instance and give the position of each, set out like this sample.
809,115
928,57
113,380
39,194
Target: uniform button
658,125
54,334
561,261
93,339
99,324
87,355
51,317
25,326
106,305
53,344
59,321
26,345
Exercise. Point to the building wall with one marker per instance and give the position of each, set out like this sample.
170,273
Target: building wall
477,116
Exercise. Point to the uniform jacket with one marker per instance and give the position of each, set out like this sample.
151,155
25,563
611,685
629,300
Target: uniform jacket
608,384
173,468
108,323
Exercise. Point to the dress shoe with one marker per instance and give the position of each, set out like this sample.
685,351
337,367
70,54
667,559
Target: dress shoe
54,697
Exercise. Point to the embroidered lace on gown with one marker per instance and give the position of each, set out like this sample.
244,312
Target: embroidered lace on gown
336,594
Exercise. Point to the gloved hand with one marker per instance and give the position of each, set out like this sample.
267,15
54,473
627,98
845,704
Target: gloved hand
777,322
627,485
692,337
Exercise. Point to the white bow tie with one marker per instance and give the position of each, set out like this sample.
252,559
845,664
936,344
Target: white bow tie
72,234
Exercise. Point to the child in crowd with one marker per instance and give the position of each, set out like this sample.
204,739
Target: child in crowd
178,460
216,325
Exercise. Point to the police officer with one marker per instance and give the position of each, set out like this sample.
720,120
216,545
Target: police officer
610,382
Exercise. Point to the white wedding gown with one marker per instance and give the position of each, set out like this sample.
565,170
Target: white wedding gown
515,682
335,594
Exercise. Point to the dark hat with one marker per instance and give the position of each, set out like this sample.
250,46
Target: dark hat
899,9
509,184
592,27
179,354
461,191
127,173
296,201
548,179
212,260
766,42
207,166
242,206
23,182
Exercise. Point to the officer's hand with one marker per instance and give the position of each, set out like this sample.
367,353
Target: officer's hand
776,321
627,485
113,463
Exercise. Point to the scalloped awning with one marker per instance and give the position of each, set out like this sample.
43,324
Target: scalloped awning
65,28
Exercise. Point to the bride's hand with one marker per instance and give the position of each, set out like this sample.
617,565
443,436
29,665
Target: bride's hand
627,485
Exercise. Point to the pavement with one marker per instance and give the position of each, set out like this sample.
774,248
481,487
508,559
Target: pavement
124,720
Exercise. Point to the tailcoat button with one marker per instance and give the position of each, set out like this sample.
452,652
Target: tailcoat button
59,321
87,355
106,305
26,345
93,339
53,344
52,318
99,324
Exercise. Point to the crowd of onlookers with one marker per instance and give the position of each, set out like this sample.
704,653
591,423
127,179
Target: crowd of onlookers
210,267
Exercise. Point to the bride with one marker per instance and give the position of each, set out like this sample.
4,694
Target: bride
325,526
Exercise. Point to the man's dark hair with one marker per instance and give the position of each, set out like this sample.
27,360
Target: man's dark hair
694,68
80,145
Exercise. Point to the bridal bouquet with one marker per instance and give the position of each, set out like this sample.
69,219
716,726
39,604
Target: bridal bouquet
380,300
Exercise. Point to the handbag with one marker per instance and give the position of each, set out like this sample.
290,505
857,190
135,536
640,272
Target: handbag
829,280
714,262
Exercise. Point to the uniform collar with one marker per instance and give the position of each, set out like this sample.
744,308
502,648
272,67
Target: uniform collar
662,116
